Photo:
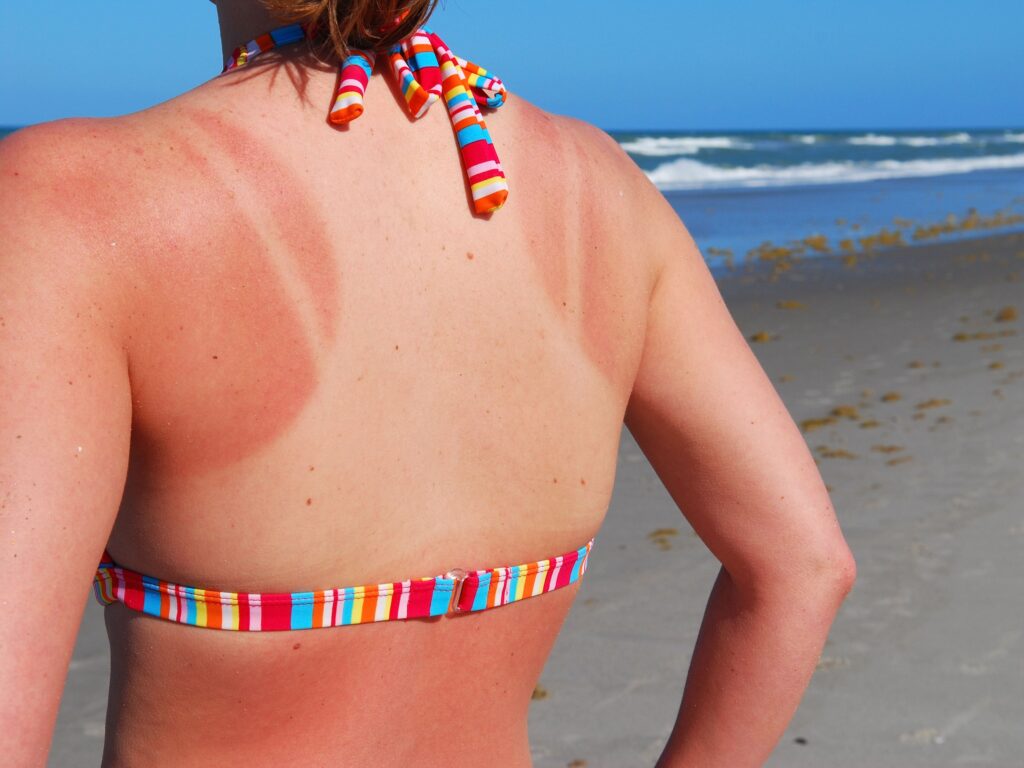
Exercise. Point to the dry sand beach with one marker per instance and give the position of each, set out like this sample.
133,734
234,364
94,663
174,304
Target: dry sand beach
906,372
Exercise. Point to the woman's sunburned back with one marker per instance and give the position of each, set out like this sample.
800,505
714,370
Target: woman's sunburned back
340,377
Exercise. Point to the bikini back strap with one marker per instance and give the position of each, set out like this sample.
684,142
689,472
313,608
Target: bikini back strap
454,592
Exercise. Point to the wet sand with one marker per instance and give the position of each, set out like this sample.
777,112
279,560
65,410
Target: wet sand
907,374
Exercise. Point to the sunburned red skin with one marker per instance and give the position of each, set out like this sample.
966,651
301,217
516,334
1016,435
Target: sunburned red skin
232,328
583,278
296,220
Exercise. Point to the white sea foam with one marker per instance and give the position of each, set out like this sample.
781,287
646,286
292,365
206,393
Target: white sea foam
685,173
667,146
1017,138
876,140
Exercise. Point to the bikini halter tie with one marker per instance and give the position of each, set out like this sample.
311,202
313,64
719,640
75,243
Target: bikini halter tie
426,70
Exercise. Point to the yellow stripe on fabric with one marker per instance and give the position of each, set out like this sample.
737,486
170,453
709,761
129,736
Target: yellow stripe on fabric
521,582
494,181
201,608
458,90
357,606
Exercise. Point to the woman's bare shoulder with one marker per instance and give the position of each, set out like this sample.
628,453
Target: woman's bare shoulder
597,170
56,181
597,145
82,179
66,165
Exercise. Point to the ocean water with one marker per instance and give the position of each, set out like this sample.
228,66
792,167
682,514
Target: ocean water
738,190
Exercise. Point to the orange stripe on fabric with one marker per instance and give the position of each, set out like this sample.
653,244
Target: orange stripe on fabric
214,610
531,578
369,604
492,589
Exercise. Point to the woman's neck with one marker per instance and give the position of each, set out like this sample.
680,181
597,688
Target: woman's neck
242,21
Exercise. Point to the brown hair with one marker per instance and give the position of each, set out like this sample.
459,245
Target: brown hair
345,24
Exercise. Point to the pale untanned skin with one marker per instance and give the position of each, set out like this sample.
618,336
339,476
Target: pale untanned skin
256,353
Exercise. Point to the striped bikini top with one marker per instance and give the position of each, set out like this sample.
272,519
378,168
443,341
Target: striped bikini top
457,591
426,70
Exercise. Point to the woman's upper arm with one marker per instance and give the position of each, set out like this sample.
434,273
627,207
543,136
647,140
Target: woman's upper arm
716,431
65,420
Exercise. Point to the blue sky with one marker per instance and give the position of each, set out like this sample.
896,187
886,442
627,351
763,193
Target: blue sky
673,64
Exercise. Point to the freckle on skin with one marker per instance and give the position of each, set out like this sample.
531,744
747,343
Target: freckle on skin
554,480
309,502
311,467
296,646
469,255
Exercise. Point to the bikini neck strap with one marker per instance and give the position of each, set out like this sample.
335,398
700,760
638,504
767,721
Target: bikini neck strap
426,71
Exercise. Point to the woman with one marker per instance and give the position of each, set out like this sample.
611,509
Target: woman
250,351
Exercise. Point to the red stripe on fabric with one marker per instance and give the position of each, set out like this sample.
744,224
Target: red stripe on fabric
568,561
469,590
134,594
354,72
243,610
396,599
479,152
547,576
276,612
419,598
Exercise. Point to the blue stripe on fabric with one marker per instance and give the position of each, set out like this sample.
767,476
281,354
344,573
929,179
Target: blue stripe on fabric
346,614
513,580
151,601
442,596
190,606
360,62
575,572
302,610
290,34
458,98
407,82
472,132
483,587
424,59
